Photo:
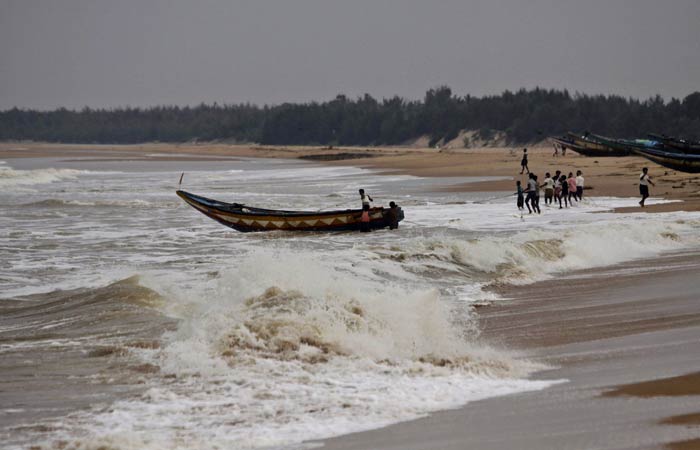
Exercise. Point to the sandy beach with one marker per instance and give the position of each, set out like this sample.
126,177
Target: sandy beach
628,346
604,176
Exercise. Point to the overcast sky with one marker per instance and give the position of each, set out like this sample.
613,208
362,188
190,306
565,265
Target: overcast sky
107,53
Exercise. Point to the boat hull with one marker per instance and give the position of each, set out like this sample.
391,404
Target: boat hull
250,219
676,161
595,148
678,145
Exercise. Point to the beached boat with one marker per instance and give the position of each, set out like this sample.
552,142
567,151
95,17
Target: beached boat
247,218
570,145
590,145
682,162
678,145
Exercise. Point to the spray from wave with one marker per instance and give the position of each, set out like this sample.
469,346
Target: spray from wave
285,347
536,254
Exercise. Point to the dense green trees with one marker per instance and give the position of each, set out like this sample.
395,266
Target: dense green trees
524,116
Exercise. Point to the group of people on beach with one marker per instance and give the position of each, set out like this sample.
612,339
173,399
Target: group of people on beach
561,188
557,188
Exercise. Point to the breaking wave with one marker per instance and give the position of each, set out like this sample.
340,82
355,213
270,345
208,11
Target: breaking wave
285,347
14,178
533,255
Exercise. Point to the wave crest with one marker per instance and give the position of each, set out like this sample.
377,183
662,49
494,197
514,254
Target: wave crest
13,178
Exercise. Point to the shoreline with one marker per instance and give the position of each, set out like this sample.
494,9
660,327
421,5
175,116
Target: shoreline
609,177
622,364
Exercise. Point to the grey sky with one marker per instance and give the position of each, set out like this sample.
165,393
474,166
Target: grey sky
106,53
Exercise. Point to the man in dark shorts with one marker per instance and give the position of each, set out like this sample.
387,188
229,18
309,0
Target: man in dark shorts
532,191
579,185
644,182
394,215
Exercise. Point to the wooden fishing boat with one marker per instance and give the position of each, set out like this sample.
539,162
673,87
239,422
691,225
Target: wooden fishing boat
569,144
589,145
247,218
678,145
681,162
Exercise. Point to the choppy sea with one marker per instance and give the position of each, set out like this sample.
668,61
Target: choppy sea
130,321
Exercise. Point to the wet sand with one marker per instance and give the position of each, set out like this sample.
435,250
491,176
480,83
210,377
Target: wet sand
626,338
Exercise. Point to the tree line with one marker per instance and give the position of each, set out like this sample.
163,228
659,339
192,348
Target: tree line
523,116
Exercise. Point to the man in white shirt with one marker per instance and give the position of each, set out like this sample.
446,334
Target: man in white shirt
579,184
644,182
365,198
548,185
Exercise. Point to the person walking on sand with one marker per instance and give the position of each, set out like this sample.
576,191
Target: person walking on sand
644,182
365,198
571,181
519,193
579,185
523,162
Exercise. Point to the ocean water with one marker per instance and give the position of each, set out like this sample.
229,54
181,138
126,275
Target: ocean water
130,321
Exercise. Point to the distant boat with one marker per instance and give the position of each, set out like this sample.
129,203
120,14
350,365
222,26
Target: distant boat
628,145
682,162
567,143
247,218
588,145
678,145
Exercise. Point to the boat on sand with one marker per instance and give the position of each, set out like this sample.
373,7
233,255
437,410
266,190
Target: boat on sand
682,162
596,146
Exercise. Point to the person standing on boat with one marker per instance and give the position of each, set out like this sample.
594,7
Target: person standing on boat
365,198
523,162
644,182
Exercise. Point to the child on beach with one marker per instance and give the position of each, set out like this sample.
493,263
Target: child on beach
519,193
